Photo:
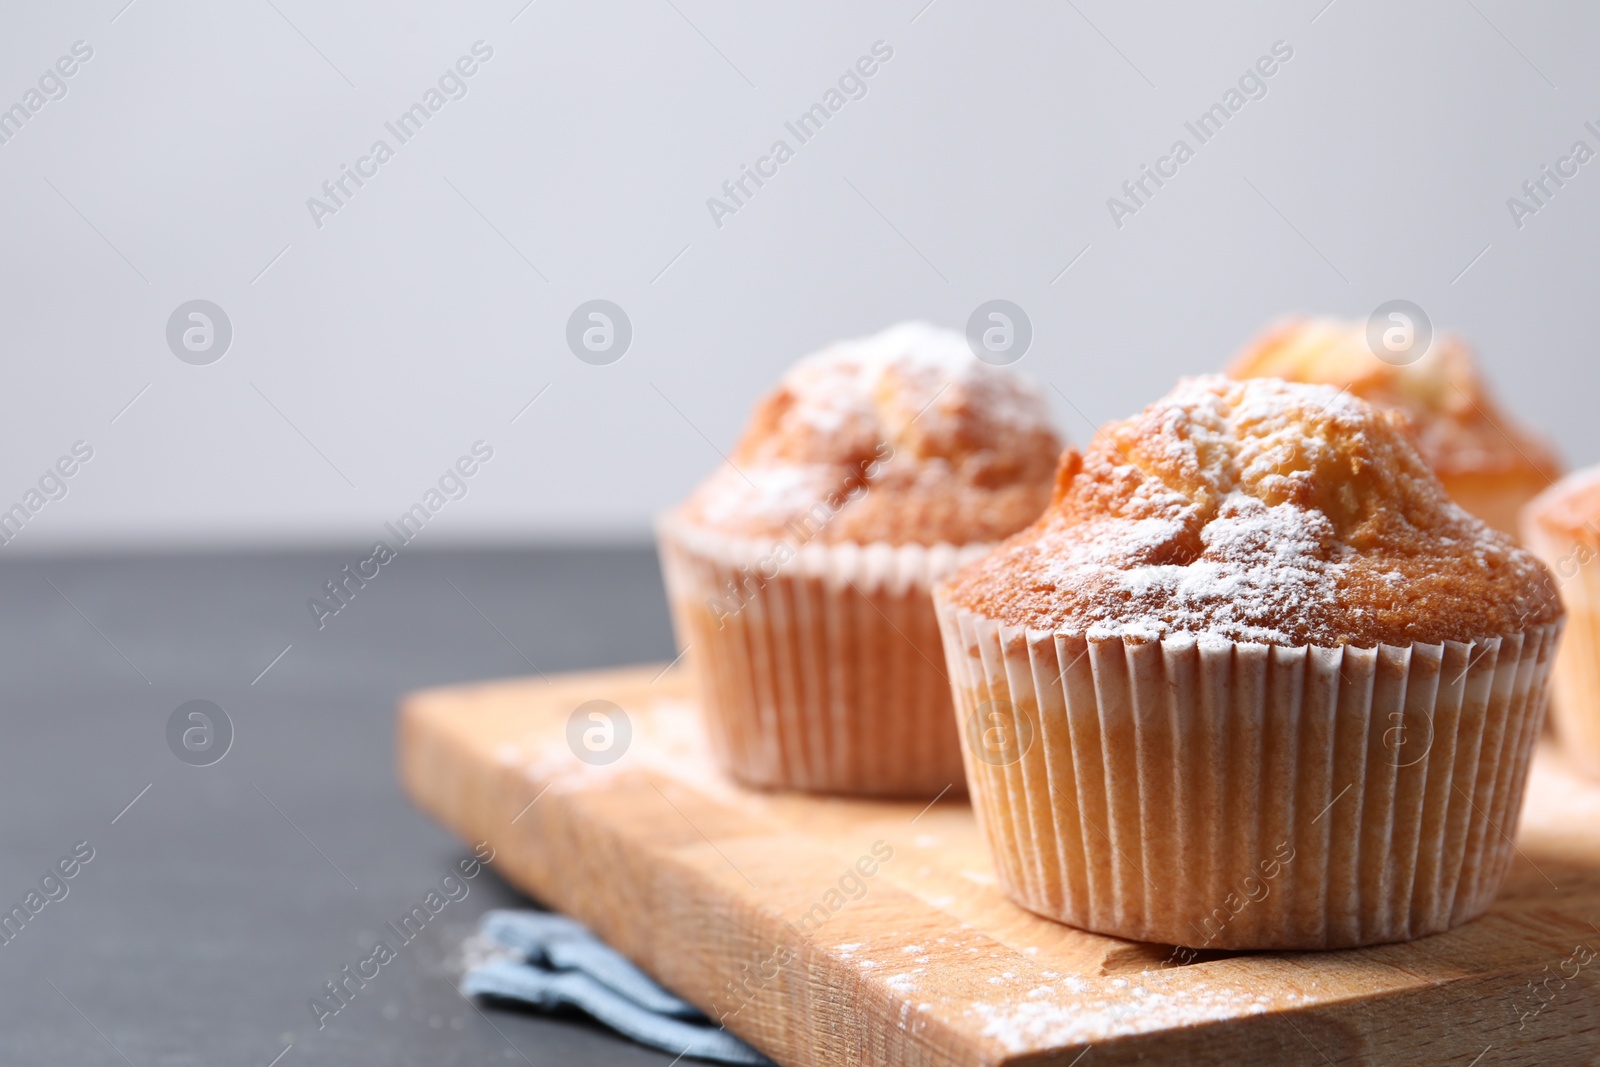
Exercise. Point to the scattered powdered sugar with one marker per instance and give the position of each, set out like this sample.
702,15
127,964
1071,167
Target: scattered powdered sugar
476,950
1028,1010
1035,1022
668,739
1258,561
842,386
1257,511
838,384
903,983
1455,422
933,358
766,489
917,343
904,436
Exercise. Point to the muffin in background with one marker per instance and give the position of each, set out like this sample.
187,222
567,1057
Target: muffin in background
1253,681
800,572
1562,526
1488,463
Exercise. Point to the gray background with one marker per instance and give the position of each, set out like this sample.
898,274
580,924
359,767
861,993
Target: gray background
978,166
221,898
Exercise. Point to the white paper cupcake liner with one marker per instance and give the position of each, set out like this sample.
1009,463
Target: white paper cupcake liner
1575,703
823,672
1208,793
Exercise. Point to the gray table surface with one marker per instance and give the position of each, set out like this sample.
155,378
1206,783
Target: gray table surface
220,902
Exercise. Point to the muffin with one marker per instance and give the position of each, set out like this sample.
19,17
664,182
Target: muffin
800,572
1562,526
1488,464
1252,681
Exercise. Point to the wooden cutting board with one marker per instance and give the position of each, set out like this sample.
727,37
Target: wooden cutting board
829,931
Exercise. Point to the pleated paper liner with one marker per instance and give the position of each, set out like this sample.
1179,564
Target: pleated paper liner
820,665
1223,795
1575,704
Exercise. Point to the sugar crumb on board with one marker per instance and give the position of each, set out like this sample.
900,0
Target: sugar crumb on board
1033,1022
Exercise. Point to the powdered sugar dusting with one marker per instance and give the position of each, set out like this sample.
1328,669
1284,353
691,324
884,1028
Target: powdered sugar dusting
843,382
1452,417
1257,561
1037,1022
669,740
772,491
1258,511
901,437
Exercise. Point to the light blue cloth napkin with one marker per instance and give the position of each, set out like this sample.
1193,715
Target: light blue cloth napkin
561,964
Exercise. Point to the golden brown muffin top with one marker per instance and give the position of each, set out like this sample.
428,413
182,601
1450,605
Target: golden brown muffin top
903,437
1258,510
1570,507
1454,422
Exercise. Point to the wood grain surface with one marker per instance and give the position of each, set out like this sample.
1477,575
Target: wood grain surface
829,931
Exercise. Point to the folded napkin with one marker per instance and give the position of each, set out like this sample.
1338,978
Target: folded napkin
552,962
